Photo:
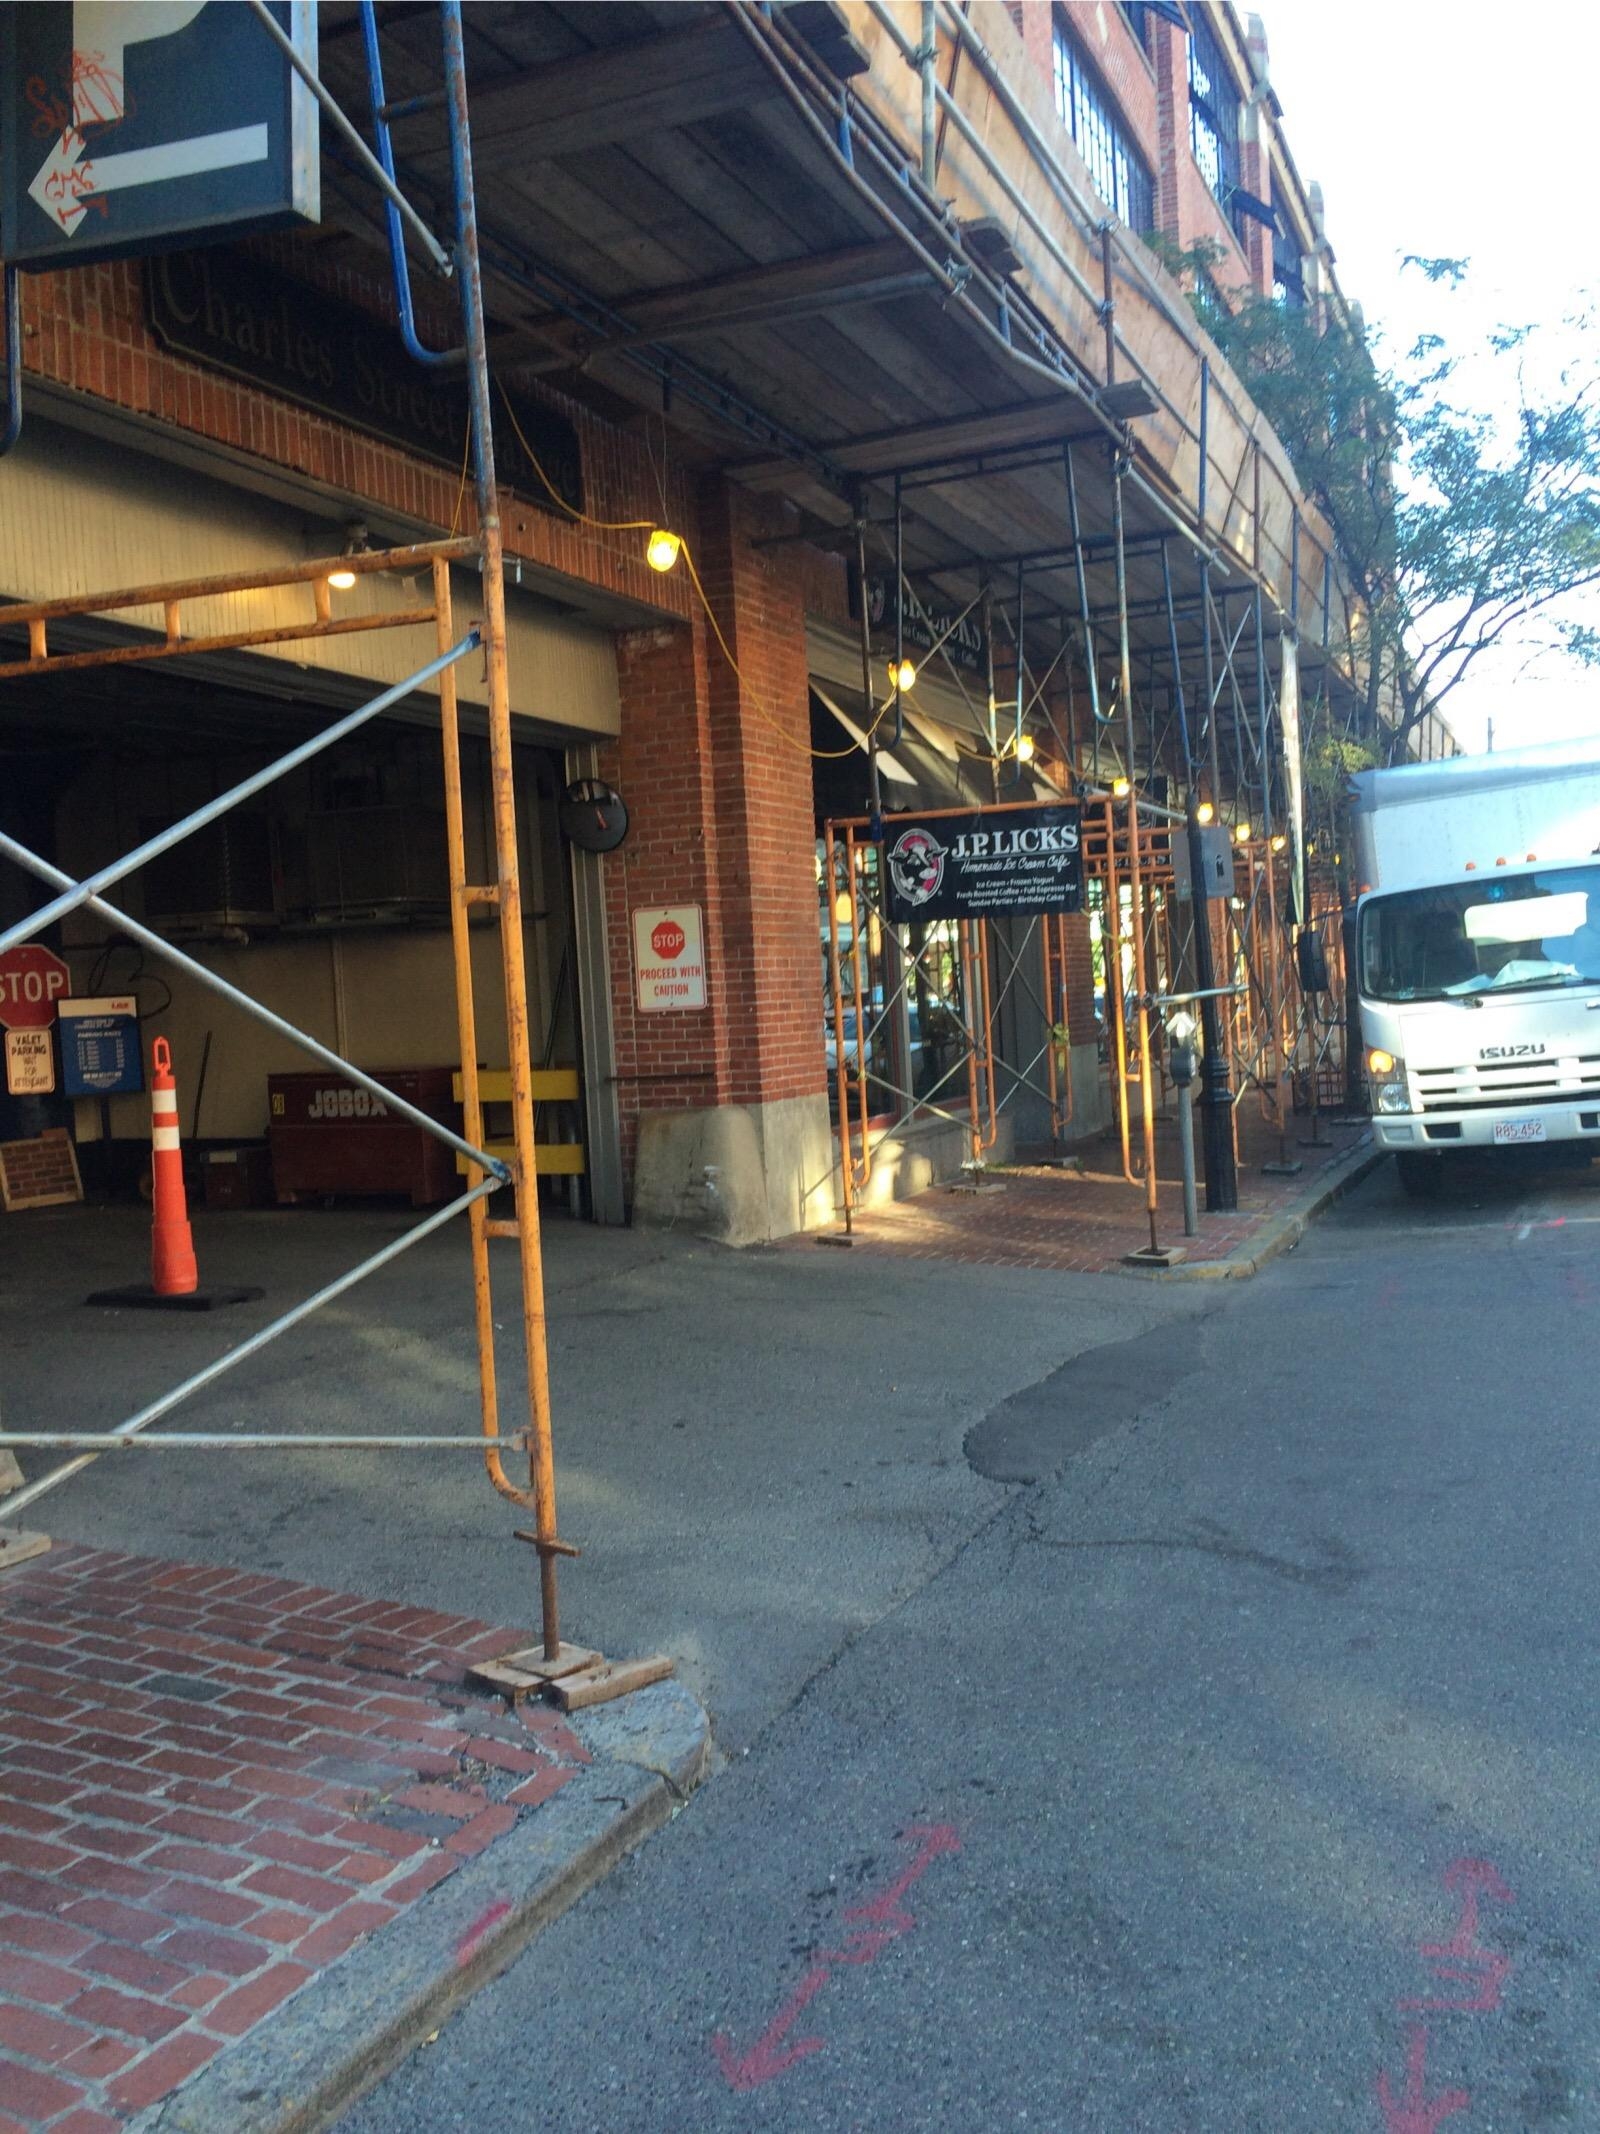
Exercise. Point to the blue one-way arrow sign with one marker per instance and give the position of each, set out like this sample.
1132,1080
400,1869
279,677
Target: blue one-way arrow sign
126,125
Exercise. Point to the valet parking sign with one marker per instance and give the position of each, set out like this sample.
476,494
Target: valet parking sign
669,956
984,863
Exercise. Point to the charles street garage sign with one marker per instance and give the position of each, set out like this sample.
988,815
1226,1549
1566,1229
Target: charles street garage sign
984,864
129,124
240,315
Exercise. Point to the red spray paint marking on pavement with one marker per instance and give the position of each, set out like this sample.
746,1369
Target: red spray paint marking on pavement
885,1920
467,1947
1461,1961
1416,2112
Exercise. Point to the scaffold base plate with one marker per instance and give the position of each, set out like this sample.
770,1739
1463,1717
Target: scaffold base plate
139,1296
1155,1256
526,1672
833,1237
19,1545
987,1185
608,1679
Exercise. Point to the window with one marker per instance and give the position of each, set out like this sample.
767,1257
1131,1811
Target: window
1529,931
1213,114
1120,178
1288,273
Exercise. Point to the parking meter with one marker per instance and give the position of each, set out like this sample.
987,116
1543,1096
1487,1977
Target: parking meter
1182,1032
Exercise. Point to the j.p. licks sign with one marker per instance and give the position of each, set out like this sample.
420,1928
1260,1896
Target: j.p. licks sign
983,865
237,315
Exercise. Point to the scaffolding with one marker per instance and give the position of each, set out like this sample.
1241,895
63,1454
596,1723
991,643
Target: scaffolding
158,614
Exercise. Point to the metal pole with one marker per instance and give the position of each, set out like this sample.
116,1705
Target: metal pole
927,59
847,1177
508,882
874,787
1191,1213
1216,1098
467,1036
1083,612
1136,863
899,606
1108,307
992,709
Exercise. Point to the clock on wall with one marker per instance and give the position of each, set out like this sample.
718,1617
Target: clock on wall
593,815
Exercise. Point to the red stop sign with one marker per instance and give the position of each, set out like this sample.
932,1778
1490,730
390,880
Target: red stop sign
32,980
667,939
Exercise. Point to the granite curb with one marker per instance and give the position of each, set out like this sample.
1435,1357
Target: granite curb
301,2067
1282,1232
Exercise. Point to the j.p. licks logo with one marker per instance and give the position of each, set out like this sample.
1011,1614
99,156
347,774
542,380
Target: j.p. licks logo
973,866
240,316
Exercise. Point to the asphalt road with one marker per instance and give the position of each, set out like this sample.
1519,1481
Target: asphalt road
1236,1775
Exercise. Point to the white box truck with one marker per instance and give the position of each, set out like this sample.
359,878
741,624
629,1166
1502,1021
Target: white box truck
1478,953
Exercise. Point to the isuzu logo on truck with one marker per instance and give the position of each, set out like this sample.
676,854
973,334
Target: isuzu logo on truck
1510,1052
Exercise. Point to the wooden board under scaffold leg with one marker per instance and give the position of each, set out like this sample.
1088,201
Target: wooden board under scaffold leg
17,1544
573,1678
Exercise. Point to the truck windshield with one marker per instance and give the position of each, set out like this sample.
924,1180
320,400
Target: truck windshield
1481,936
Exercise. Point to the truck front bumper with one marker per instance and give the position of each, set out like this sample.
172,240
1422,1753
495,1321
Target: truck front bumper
1436,1132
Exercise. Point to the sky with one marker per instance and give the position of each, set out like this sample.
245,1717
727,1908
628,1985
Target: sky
1447,127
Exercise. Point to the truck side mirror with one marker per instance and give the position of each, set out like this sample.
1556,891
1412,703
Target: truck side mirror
1311,962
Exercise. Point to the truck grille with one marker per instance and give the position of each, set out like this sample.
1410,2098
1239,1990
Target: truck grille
1492,1083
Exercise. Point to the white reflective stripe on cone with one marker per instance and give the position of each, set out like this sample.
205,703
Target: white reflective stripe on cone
164,1100
164,1137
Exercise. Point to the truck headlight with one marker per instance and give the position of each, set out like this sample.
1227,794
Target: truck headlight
1388,1078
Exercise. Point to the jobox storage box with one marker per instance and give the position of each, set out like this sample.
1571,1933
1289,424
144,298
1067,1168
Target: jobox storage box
329,1137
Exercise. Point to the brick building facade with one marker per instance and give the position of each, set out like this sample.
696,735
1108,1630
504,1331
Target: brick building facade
716,1118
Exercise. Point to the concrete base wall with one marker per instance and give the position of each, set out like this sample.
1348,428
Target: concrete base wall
925,1153
1092,1110
741,1173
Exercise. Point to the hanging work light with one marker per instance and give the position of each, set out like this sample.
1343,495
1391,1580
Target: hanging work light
662,548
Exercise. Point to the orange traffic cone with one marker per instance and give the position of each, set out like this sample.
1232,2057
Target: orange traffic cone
172,1268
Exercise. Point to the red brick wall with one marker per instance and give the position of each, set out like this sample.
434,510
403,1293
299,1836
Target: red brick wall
1080,980
717,771
86,330
671,1061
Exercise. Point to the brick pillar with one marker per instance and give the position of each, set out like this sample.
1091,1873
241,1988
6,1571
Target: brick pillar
1170,58
724,1109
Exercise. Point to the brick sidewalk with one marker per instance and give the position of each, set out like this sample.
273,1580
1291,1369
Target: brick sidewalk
1085,1223
211,1786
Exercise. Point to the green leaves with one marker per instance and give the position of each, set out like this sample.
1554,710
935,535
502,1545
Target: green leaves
1463,484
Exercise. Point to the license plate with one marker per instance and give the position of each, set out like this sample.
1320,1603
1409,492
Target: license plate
1519,1130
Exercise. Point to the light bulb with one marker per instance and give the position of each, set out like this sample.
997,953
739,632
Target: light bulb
1205,812
902,674
1120,788
1279,842
1242,832
341,580
661,550
1025,748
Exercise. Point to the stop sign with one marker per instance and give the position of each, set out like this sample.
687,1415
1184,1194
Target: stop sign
667,939
32,980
